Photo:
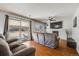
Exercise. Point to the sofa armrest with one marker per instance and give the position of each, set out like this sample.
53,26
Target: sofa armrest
25,52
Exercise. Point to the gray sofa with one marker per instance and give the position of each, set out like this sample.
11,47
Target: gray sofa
19,50
48,39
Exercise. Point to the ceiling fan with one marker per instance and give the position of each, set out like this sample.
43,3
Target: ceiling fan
51,19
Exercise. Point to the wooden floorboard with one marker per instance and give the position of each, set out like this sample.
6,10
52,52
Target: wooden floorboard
62,50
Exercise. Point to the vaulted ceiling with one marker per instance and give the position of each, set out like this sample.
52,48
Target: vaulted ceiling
42,10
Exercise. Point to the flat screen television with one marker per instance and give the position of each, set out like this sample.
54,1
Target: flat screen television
56,25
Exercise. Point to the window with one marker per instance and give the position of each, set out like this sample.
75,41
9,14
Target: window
18,29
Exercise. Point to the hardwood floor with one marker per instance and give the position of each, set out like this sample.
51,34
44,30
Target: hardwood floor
62,50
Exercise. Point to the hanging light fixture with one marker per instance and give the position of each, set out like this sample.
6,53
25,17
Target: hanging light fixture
52,18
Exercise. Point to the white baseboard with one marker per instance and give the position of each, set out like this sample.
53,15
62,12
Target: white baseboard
78,51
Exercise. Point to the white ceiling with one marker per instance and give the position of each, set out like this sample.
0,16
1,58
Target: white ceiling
42,10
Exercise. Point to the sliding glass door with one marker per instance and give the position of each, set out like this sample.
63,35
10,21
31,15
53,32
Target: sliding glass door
13,29
25,30
18,29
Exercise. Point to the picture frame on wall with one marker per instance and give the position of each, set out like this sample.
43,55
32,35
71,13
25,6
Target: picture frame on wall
75,22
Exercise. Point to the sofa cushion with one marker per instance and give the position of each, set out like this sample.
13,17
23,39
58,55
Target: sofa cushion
15,44
22,46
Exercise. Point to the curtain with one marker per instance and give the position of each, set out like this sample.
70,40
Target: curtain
5,26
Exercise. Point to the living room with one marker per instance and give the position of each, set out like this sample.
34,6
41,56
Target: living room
48,29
